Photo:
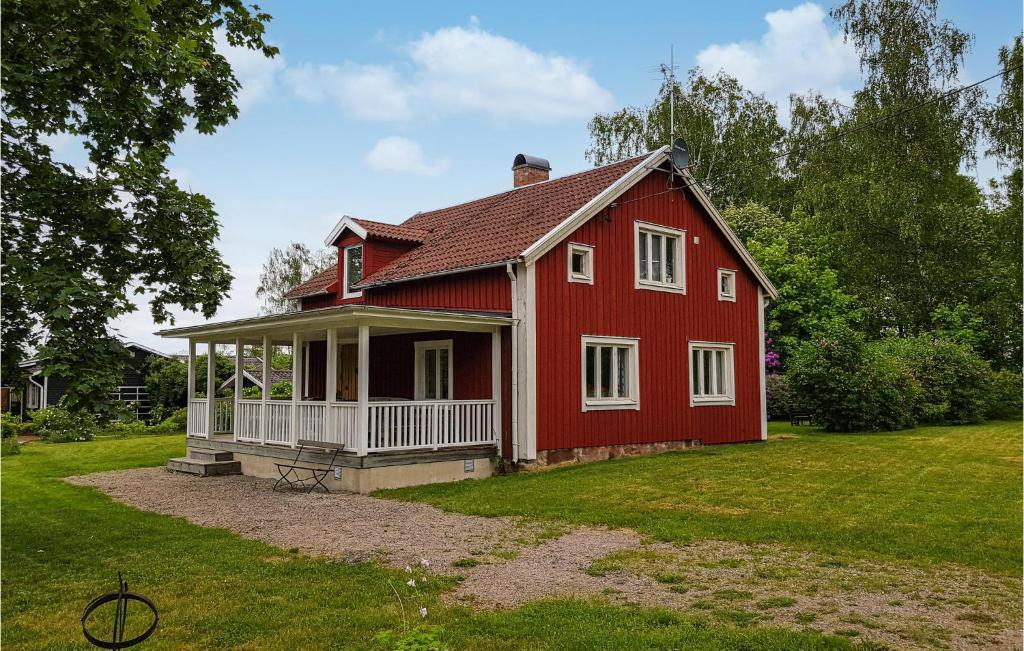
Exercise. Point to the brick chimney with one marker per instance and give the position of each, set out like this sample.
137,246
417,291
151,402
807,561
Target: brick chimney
529,169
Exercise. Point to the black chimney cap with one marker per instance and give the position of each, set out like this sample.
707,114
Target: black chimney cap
522,160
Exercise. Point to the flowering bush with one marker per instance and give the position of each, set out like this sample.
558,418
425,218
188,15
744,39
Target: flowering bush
782,402
59,425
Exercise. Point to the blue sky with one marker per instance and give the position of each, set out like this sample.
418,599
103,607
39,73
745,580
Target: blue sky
379,111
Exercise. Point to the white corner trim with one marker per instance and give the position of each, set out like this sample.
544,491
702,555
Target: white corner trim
605,404
721,274
729,399
666,232
594,206
764,378
343,223
587,277
344,262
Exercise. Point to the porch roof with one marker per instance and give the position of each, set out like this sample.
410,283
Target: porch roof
339,316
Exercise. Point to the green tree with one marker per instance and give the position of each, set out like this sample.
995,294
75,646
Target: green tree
123,79
904,230
732,135
284,269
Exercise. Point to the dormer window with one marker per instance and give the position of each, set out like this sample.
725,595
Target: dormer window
727,285
581,263
659,258
353,261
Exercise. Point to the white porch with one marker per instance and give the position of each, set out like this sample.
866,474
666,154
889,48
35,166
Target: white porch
380,421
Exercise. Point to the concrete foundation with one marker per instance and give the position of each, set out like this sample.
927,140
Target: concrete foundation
362,474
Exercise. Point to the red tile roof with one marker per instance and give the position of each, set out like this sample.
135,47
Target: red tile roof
317,284
477,233
392,231
497,228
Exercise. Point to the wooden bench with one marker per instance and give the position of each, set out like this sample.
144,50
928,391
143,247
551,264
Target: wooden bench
292,473
797,419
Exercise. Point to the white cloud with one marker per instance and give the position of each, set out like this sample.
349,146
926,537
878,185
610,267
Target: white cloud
255,72
797,53
397,154
367,92
459,70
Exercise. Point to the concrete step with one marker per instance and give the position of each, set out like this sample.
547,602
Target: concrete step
210,455
204,468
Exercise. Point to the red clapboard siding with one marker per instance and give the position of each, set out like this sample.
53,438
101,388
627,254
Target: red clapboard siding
482,290
392,364
664,322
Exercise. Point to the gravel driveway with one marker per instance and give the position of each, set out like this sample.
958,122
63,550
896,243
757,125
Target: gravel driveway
514,561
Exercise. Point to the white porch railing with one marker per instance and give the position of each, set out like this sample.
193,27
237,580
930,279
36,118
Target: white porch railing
247,420
197,421
223,415
392,425
429,424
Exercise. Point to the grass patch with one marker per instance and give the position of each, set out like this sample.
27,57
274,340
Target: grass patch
465,562
775,602
64,544
928,496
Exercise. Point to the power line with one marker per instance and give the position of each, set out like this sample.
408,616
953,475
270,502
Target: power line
846,133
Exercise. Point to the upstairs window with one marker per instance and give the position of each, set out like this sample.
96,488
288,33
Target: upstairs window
660,262
610,373
726,285
353,270
581,263
712,381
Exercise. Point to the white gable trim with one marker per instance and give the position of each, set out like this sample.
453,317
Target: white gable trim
628,180
343,223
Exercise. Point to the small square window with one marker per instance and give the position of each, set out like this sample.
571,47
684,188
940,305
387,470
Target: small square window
581,263
726,285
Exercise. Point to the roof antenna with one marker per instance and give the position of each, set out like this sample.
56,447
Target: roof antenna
669,73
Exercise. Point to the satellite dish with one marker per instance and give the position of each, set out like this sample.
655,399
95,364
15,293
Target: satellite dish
680,155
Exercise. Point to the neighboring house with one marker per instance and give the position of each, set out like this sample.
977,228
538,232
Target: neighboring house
603,313
252,375
44,391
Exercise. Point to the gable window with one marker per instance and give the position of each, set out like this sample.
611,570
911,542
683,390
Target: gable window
353,270
660,262
433,370
726,285
610,373
712,380
581,263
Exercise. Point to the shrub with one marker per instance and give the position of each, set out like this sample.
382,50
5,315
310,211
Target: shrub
952,377
782,401
9,426
9,446
1003,395
252,393
177,422
59,425
282,390
126,428
851,386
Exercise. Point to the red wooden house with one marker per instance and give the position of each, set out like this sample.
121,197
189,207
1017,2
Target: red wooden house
602,313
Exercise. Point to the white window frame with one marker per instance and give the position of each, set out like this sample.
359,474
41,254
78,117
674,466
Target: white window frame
587,276
434,344
731,274
344,259
727,399
596,403
679,285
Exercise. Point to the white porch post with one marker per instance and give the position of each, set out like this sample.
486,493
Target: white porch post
239,384
190,393
265,408
331,385
363,380
496,384
211,388
296,385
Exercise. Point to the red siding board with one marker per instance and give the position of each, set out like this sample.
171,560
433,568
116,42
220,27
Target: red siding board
484,290
664,322
392,364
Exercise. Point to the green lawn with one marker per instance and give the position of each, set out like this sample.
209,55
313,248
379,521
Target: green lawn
63,545
924,496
